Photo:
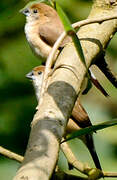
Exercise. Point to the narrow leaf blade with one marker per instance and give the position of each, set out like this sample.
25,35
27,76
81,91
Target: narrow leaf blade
66,22
71,31
90,129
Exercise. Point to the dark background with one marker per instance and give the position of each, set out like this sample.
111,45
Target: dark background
17,100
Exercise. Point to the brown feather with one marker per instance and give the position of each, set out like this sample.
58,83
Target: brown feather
50,27
80,116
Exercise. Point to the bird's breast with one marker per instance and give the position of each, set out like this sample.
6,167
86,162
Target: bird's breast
39,47
30,31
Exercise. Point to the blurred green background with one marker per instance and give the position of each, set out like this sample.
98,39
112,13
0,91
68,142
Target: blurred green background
17,104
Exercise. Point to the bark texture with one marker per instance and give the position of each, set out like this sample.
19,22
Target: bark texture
50,120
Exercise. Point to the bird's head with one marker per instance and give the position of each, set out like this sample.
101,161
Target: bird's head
36,75
37,9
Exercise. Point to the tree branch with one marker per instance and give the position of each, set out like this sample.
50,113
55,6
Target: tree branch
11,154
84,168
50,120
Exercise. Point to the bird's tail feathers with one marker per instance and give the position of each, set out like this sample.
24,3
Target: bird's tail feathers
91,148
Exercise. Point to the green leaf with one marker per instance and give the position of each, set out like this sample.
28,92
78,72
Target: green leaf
88,87
71,32
78,47
52,3
90,129
66,22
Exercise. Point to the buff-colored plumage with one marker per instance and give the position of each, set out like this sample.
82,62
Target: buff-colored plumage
42,29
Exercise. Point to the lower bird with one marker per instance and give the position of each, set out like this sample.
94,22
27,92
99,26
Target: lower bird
79,117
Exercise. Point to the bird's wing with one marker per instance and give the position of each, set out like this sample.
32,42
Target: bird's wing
49,33
80,115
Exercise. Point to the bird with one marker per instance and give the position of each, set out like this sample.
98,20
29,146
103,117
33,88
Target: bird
42,28
79,117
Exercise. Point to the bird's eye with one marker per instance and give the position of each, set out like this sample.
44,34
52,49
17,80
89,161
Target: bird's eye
32,73
26,11
39,72
35,11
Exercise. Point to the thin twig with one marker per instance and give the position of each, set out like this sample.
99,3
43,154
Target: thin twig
110,174
82,167
49,63
51,56
11,155
72,159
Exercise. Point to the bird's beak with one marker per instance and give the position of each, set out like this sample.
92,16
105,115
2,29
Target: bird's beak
24,11
30,75
21,10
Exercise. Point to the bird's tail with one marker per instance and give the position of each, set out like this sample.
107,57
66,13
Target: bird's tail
91,148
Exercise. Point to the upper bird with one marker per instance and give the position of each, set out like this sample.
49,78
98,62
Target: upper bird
42,28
